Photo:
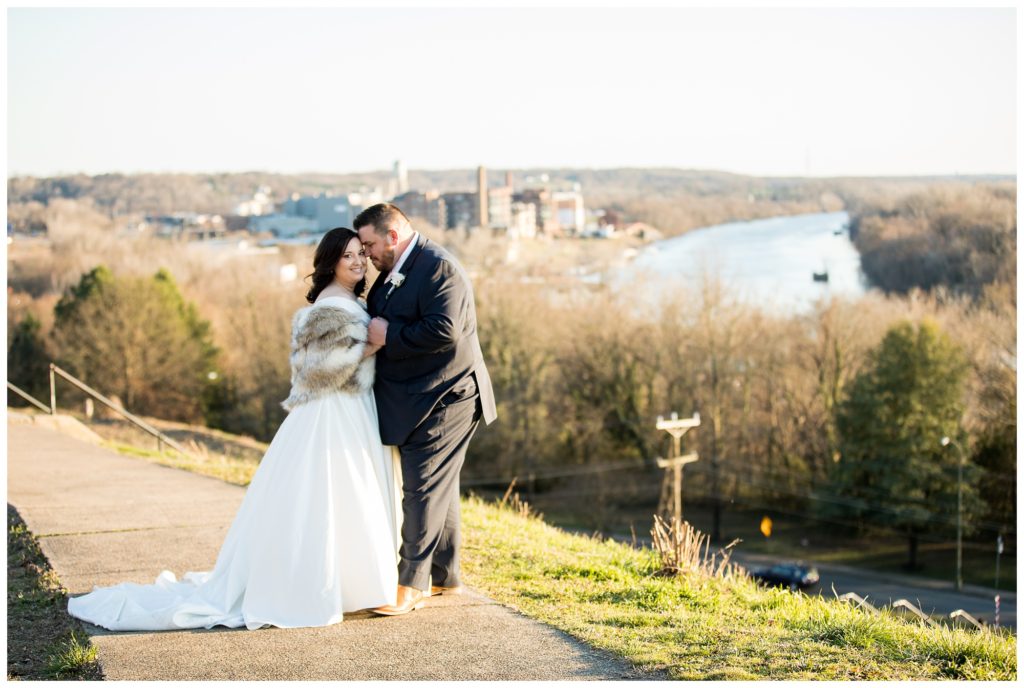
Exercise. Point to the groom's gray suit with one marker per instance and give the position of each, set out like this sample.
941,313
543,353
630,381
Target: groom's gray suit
432,389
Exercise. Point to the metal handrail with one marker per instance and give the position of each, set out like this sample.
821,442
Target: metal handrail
89,390
960,613
28,397
906,604
857,599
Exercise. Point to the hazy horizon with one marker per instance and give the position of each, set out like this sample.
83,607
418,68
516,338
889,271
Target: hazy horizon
530,168
783,92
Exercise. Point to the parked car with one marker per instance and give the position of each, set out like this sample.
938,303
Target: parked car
792,575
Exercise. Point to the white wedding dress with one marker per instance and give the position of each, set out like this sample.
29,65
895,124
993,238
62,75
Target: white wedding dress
316,534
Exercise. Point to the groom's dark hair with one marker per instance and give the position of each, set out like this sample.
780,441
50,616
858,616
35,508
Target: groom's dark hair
382,216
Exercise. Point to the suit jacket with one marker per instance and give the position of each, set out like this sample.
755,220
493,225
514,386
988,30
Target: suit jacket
431,347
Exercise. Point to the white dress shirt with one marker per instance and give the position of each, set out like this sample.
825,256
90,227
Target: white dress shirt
405,254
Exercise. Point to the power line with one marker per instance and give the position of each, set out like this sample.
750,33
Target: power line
770,484
837,499
925,537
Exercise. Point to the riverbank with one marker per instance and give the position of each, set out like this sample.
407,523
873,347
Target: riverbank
784,265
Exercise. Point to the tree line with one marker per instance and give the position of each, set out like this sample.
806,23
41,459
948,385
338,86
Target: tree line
673,200
961,238
784,402
838,412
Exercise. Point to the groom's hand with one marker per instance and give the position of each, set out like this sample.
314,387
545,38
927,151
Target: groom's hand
378,332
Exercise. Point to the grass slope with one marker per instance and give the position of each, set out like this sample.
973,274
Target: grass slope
606,594
697,627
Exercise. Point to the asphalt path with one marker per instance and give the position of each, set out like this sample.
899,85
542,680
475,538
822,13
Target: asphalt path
102,518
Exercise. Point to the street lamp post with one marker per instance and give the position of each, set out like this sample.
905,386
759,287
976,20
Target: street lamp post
959,511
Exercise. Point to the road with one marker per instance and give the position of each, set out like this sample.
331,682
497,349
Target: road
881,589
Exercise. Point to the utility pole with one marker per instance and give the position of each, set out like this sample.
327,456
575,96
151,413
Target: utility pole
999,550
676,427
959,511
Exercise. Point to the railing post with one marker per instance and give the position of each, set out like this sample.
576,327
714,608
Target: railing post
161,438
53,393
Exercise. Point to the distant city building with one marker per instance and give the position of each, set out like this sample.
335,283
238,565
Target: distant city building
235,223
187,226
429,206
569,210
360,200
281,225
261,203
546,221
399,183
540,206
461,210
523,224
316,214
327,211
499,207
482,214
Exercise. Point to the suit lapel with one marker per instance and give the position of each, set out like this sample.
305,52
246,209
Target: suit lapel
373,301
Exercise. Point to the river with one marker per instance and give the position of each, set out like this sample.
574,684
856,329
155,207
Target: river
769,263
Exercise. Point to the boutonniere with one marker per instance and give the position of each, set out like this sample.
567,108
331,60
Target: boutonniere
396,280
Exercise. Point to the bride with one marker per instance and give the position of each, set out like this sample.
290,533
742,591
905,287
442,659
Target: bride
317,532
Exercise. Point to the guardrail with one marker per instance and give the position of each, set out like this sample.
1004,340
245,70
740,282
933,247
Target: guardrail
916,611
960,613
860,601
160,437
28,397
906,604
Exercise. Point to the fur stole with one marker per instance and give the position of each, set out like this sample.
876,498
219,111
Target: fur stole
327,354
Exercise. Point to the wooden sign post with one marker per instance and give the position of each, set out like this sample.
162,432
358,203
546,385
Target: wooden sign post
676,427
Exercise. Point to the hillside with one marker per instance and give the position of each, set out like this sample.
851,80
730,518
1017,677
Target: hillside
705,624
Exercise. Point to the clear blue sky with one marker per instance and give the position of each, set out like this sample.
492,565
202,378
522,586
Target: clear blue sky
766,91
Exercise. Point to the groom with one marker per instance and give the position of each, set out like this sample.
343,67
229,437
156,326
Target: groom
432,389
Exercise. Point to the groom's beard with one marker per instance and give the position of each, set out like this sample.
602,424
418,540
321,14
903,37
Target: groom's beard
387,261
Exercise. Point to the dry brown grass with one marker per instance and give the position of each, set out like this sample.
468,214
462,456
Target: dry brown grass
684,550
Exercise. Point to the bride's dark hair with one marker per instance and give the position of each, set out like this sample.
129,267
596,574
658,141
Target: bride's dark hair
328,253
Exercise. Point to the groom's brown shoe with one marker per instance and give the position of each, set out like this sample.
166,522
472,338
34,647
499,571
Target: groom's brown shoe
409,599
441,590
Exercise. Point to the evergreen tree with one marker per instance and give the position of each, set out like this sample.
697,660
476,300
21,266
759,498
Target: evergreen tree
893,470
28,361
137,338
90,285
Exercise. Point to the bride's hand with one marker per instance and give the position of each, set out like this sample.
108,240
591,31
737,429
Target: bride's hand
371,349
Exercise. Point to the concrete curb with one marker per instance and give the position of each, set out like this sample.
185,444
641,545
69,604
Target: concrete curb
60,423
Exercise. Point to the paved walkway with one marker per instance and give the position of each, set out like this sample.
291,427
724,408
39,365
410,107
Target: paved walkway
103,518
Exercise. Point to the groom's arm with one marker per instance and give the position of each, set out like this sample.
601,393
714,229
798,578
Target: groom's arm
444,305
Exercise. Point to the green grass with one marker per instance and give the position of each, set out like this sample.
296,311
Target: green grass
606,594
43,641
795,537
70,656
237,471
